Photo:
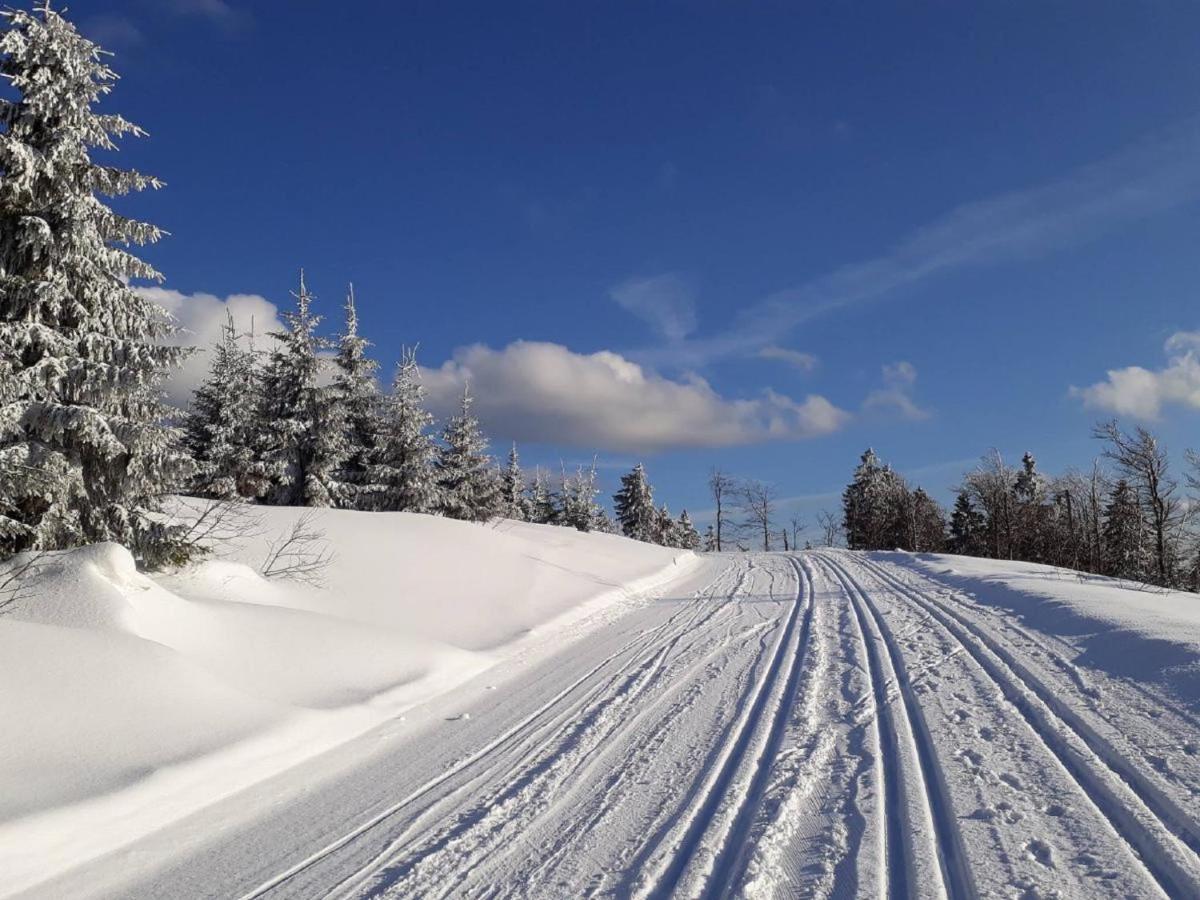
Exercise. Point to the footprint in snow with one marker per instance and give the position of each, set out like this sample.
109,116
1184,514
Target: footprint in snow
1012,781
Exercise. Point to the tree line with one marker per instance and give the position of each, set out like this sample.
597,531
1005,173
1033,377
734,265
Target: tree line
1128,516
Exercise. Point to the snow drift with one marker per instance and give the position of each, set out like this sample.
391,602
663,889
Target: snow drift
133,700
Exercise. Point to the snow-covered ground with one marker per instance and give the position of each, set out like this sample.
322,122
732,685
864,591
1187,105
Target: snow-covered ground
131,701
819,724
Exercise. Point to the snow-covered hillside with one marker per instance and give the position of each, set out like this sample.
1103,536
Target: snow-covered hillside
511,717
132,700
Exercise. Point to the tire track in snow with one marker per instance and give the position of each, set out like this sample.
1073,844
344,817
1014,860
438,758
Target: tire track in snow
920,821
688,865
1161,836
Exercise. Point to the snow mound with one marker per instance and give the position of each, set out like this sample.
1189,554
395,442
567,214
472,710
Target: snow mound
141,698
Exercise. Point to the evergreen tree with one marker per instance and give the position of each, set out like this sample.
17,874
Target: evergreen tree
358,393
468,485
688,536
877,510
513,502
305,417
84,453
710,539
543,508
967,527
1126,538
664,528
402,467
634,506
577,506
221,428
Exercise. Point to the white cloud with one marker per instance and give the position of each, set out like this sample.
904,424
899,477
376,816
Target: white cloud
664,302
542,392
1156,174
201,317
805,362
1142,393
899,380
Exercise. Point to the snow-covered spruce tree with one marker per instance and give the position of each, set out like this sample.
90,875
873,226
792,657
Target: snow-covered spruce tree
633,504
358,393
689,537
221,428
403,466
710,540
1126,538
577,506
513,502
967,527
542,504
302,415
469,488
664,529
84,451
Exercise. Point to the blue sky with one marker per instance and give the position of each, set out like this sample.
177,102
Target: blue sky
789,230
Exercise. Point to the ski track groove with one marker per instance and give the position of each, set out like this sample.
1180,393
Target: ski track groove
1175,869
902,847
391,871
491,748
666,878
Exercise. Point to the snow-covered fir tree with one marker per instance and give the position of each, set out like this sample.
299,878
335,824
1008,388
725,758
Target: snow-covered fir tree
467,483
577,506
710,540
358,393
221,427
873,506
84,452
403,465
634,506
541,502
686,533
302,414
514,504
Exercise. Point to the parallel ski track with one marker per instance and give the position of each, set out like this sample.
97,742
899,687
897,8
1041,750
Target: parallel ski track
730,863
715,791
696,613
1168,853
955,874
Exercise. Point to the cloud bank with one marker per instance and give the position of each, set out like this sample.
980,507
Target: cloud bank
1142,393
543,392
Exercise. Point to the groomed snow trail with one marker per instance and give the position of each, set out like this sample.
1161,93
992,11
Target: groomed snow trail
825,724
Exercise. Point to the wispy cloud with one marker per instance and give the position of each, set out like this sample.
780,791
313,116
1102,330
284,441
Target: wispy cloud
797,359
896,395
1142,393
664,302
113,31
1155,175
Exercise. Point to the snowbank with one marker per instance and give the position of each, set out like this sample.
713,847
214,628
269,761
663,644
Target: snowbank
132,700
1145,635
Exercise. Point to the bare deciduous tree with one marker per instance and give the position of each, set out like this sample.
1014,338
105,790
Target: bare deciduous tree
831,526
302,554
723,486
1140,458
758,503
17,577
